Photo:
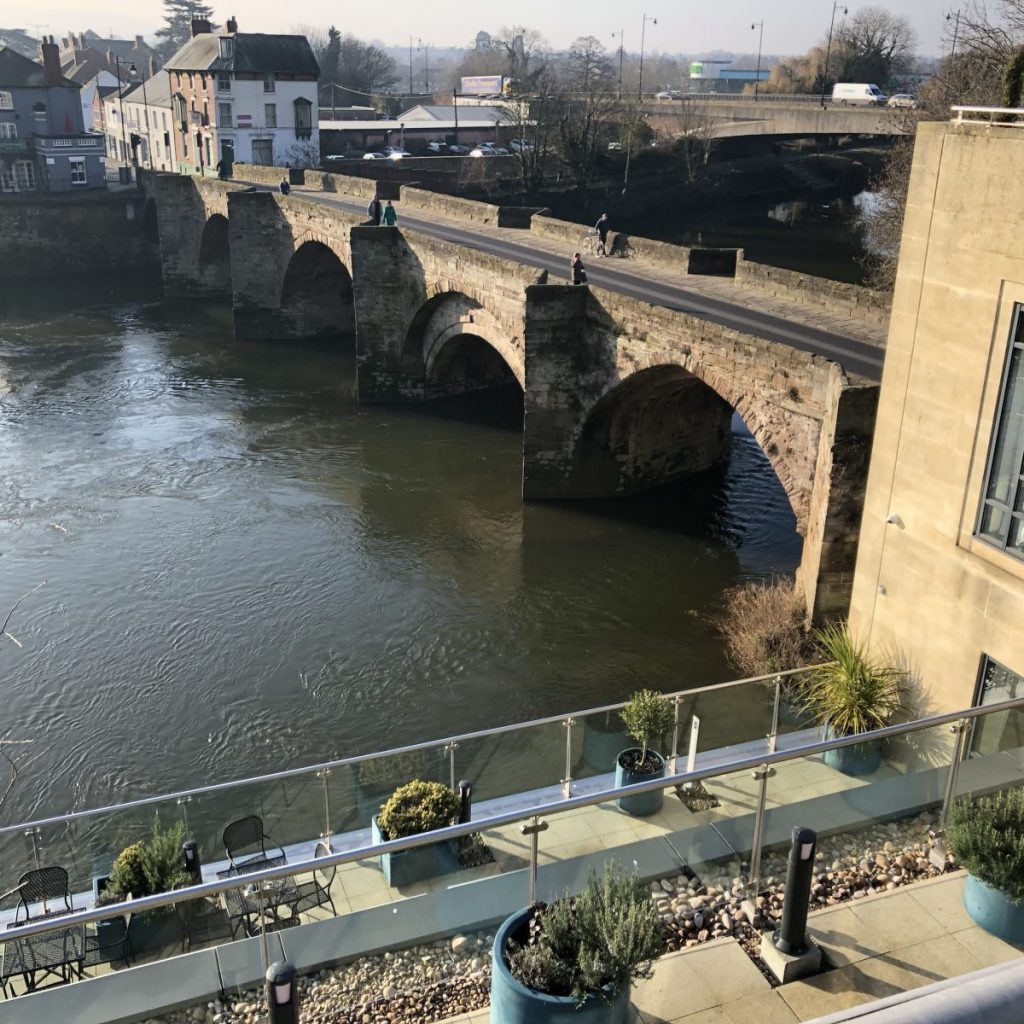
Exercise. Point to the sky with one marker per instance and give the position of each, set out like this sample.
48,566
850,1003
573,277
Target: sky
790,26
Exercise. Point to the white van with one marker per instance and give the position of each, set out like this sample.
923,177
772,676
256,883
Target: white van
858,94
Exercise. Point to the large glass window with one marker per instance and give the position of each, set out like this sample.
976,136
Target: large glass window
8,130
269,82
1001,519
78,170
270,115
223,81
1002,730
224,115
24,176
303,118
6,100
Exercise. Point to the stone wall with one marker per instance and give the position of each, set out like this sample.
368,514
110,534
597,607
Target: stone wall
47,236
449,206
834,296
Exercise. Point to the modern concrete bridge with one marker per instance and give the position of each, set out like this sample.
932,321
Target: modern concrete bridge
739,117
625,387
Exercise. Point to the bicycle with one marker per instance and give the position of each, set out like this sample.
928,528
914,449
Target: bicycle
591,243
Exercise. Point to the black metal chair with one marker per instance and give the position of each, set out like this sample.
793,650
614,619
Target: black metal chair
203,920
110,944
317,892
242,837
43,885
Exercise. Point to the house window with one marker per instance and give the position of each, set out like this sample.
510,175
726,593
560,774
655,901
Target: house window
1003,730
227,48
39,112
224,115
303,118
77,165
263,152
6,100
24,176
223,82
8,130
180,111
1001,519
270,115
269,82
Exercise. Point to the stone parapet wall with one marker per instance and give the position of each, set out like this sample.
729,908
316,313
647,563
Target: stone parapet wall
42,237
450,206
833,296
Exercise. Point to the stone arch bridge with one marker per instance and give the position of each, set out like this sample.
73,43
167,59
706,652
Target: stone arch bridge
619,395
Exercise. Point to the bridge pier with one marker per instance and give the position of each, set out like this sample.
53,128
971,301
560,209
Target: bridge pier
194,243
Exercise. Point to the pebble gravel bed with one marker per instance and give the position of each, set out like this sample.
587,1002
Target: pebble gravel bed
434,981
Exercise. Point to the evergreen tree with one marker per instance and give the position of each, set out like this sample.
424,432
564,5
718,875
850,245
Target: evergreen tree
329,60
177,30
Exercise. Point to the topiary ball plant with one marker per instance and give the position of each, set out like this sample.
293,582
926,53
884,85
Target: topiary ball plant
648,717
417,807
987,837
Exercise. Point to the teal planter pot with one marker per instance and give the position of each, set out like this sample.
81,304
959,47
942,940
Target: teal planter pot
155,930
514,1003
856,759
993,911
602,745
410,866
642,804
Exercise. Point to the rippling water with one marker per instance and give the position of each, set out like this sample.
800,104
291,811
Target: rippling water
246,571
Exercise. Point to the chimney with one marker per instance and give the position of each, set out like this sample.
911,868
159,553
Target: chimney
232,24
151,66
140,43
201,26
51,62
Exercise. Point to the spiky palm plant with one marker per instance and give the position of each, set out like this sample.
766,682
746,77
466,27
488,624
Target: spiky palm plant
854,692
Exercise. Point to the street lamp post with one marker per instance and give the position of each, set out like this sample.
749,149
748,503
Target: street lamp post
956,31
643,31
145,118
621,38
120,102
410,66
828,49
760,40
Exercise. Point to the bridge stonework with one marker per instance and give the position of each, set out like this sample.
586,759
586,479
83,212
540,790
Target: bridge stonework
619,395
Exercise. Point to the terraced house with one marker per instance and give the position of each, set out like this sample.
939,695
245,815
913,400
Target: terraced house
43,143
250,97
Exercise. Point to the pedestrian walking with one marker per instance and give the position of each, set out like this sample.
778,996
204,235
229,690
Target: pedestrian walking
222,170
579,272
373,211
602,234
390,215
284,187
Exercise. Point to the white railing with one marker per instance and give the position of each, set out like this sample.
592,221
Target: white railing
1005,117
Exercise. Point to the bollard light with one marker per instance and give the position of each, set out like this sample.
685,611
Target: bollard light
792,935
465,801
282,994
193,865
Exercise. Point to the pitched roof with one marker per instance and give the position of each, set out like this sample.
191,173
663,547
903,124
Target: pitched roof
16,70
253,52
157,92
440,112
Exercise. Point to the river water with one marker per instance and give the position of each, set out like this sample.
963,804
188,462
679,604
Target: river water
247,571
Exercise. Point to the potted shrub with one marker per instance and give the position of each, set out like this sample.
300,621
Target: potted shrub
414,808
987,838
144,869
648,717
575,959
853,693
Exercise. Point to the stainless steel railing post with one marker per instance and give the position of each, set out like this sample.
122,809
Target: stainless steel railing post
326,834
567,780
452,747
959,730
773,736
674,756
183,803
761,776
533,830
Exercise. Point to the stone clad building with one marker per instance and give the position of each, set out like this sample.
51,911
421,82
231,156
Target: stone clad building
239,96
940,570
43,143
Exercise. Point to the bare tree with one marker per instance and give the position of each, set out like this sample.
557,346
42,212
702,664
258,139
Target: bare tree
693,135
534,116
872,46
586,63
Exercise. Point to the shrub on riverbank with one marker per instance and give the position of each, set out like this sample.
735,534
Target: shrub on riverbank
763,626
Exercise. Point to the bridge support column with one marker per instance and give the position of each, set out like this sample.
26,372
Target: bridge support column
837,499
388,288
182,216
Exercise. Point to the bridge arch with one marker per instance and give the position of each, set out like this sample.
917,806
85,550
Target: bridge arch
663,421
214,263
461,347
316,291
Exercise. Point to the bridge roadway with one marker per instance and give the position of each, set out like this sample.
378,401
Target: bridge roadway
705,297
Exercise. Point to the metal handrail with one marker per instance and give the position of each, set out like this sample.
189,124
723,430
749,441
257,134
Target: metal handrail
1009,112
82,917
290,773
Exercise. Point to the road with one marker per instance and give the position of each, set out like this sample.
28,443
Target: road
624,277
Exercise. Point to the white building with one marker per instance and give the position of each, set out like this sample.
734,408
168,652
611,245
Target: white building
145,138
245,97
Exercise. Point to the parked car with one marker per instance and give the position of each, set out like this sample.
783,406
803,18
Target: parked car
615,147
858,94
396,153
488,149
902,99
438,147
520,146
458,150
669,94
375,156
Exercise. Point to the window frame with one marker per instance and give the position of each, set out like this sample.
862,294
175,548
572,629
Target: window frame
225,115
269,82
8,130
77,165
223,81
1001,541
6,100
269,115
